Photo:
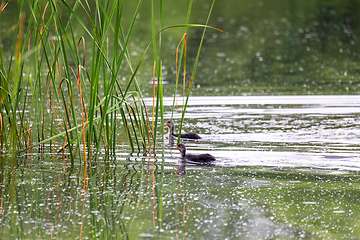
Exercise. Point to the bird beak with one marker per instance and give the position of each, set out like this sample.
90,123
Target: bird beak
165,124
176,147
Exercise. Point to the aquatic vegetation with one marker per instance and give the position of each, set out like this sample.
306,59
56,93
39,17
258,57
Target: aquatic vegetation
82,89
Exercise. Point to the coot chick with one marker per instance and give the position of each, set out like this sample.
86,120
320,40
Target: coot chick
190,135
198,158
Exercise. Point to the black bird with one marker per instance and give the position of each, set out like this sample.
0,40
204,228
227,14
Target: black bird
190,135
200,158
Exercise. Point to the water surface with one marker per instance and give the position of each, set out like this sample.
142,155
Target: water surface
287,167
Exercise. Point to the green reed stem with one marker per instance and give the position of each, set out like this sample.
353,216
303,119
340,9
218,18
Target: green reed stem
194,70
181,55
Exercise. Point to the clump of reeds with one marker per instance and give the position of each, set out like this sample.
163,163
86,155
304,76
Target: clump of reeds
59,75
67,107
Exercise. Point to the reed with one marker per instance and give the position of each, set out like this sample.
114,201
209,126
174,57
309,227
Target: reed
59,74
48,68
69,89
193,71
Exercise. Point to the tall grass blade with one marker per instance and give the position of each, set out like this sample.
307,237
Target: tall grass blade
194,71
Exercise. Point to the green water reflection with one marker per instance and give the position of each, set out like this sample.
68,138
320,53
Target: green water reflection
270,47
139,198
282,47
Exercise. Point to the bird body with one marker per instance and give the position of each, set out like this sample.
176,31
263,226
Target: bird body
198,158
190,135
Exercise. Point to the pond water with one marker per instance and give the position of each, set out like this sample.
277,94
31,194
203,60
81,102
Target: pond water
275,101
287,168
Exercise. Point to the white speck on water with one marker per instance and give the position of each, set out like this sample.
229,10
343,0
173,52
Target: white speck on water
339,211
